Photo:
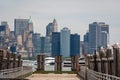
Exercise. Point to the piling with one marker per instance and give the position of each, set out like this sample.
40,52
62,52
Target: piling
116,51
14,60
1,59
74,63
58,63
8,60
40,62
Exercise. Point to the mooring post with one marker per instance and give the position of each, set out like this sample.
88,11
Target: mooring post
116,53
8,59
58,63
14,60
19,61
40,62
74,63
1,59
108,56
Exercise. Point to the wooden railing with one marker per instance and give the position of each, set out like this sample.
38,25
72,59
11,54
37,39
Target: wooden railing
87,74
15,72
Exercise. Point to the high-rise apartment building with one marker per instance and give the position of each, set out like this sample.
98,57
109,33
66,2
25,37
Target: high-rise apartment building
55,44
65,42
74,45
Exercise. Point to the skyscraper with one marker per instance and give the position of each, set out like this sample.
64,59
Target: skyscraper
42,44
36,42
20,25
51,27
65,42
47,47
55,25
86,43
95,35
74,45
7,29
104,39
55,44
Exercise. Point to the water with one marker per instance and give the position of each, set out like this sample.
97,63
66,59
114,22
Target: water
47,67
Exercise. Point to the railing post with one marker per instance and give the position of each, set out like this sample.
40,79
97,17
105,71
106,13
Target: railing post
102,55
14,60
40,62
19,61
95,62
74,63
8,60
1,59
109,55
116,51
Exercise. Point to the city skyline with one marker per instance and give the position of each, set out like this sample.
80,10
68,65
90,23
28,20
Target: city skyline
76,15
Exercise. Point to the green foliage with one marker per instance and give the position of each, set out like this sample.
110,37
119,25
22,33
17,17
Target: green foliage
55,72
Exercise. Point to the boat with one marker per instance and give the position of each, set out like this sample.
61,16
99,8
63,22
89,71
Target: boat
82,61
67,62
49,61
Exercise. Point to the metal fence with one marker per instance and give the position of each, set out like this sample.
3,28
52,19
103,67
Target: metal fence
15,72
87,74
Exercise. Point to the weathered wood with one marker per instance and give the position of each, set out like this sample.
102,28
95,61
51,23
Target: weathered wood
58,63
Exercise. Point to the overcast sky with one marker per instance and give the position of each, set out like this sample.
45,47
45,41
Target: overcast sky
74,14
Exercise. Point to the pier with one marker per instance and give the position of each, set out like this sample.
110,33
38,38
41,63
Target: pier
102,65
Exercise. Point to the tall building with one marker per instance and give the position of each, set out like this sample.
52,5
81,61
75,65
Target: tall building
29,45
95,38
55,44
104,39
2,35
20,25
51,27
19,40
42,39
12,36
74,45
65,42
30,26
36,43
2,30
47,47
55,25
86,43
7,29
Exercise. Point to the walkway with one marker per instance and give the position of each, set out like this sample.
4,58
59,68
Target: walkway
53,77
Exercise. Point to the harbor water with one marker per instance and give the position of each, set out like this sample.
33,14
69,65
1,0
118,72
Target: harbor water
47,67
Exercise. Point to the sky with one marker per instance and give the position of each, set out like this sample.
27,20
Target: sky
74,14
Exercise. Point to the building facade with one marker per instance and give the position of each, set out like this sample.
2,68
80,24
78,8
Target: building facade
36,43
96,36
65,42
48,45
51,27
20,25
55,44
42,44
86,43
74,45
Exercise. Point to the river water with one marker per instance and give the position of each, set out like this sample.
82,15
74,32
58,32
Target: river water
47,67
